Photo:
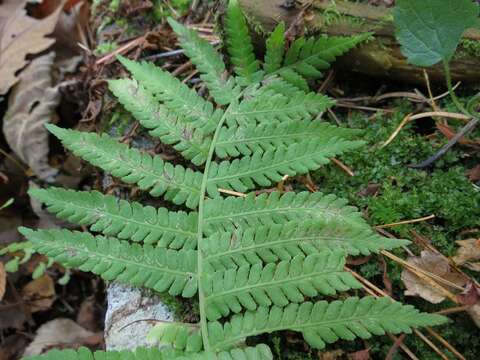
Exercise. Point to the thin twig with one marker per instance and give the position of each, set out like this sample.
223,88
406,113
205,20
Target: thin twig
429,217
464,131
342,166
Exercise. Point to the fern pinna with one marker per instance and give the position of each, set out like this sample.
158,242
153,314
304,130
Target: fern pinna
258,263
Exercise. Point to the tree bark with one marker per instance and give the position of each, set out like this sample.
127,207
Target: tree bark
380,57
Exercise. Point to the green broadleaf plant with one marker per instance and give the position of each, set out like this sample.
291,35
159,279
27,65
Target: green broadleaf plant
429,32
256,263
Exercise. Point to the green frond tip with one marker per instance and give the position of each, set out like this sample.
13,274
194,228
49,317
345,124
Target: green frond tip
208,62
120,218
280,284
156,268
239,43
270,167
177,97
275,49
324,323
160,121
273,243
151,173
260,352
307,58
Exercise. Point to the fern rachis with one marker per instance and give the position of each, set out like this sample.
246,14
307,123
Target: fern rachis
255,261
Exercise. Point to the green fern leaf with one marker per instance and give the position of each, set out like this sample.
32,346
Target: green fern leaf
267,107
279,284
323,323
175,95
233,213
306,58
208,62
275,49
180,336
273,243
125,220
253,260
247,140
294,78
151,173
161,122
155,268
271,166
260,352
239,43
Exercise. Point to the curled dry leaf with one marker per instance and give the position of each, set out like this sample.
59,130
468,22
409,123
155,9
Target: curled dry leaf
435,264
3,280
31,105
39,294
21,35
468,254
57,333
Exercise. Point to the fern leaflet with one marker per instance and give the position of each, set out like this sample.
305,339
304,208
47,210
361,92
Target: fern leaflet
120,218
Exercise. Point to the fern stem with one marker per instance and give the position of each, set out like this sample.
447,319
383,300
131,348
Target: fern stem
203,189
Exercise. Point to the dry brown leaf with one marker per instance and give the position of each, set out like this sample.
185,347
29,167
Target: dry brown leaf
3,280
31,105
39,294
435,264
474,313
360,355
331,355
57,333
468,254
22,35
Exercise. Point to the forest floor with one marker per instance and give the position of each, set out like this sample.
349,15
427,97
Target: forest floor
436,208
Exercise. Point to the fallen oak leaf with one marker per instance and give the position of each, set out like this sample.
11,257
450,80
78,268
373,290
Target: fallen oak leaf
468,254
22,35
59,333
31,105
433,263
39,294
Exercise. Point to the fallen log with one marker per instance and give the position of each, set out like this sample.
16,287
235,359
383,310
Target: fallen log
380,57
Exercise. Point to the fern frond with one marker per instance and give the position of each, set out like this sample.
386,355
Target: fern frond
239,43
275,49
271,166
151,173
294,78
279,284
273,243
260,352
208,62
175,95
155,268
246,140
268,107
180,336
306,58
232,213
122,219
323,323
162,123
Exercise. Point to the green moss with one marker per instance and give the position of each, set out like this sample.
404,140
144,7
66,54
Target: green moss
469,47
405,193
105,48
